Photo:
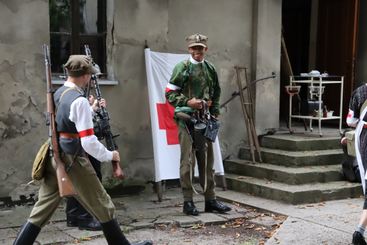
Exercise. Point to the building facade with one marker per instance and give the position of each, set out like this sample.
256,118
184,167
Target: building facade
241,33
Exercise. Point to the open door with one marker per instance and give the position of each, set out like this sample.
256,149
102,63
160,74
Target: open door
336,47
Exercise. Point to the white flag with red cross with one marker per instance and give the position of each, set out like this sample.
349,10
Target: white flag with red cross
159,67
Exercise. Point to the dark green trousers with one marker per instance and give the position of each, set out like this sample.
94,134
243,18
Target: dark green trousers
205,161
91,194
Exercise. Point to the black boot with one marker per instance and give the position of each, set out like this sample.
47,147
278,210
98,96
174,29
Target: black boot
214,205
88,222
114,235
72,212
78,216
190,209
27,234
358,239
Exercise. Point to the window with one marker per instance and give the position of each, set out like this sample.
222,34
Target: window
74,23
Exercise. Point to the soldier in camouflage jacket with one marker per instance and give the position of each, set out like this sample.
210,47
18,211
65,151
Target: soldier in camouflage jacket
192,82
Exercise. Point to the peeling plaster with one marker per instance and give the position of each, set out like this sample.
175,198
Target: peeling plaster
18,109
5,174
18,120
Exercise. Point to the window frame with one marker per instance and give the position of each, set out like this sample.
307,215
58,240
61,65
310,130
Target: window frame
96,41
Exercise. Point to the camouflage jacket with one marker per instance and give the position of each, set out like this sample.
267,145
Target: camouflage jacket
190,80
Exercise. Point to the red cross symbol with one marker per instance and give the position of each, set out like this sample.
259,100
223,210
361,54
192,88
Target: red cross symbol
165,120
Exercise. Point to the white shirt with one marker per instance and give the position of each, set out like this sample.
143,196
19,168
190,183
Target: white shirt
192,60
80,114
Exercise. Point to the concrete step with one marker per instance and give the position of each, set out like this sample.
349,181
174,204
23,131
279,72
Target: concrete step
293,194
288,175
300,142
296,158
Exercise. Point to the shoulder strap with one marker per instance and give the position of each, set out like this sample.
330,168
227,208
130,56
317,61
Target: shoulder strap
67,90
364,105
212,73
63,93
187,69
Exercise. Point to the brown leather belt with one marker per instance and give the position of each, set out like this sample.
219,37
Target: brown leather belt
68,135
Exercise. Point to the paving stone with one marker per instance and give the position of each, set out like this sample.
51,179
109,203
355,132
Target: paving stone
75,233
265,220
145,223
8,233
165,220
232,215
210,218
186,221
15,216
51,237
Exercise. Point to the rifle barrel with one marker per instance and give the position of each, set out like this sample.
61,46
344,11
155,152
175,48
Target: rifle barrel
236,93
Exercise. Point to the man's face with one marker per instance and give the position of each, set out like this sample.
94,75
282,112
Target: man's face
198,52
87,78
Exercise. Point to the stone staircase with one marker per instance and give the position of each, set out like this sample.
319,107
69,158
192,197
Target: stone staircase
296,169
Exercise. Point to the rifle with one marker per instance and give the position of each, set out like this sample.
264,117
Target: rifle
236,93
102,128
66,188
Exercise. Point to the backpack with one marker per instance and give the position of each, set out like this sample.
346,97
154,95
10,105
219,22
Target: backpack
350,135
350,168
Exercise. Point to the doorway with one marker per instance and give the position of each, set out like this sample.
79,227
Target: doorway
320,35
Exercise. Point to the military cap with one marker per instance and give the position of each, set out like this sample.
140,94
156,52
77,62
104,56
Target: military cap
197,40
79,65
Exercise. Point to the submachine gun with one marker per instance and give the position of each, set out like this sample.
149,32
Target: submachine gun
102,128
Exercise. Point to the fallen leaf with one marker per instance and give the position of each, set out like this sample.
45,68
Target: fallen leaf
197,226
85,238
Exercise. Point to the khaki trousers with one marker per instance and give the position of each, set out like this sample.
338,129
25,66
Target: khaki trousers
205,160
91,194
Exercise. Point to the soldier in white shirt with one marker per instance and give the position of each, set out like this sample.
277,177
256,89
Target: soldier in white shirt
76,138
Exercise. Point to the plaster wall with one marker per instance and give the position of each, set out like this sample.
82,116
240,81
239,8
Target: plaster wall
163,25
22,101
229,30
266,60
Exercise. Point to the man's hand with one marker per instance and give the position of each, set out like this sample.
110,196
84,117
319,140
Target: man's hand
103,103
91,99
195,103
115,156
95,104
117,171
344,141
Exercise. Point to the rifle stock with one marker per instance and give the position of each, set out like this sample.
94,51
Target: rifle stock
66,188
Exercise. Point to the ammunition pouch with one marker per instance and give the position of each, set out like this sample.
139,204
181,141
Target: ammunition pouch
207,128
350,135
41,160
211,130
